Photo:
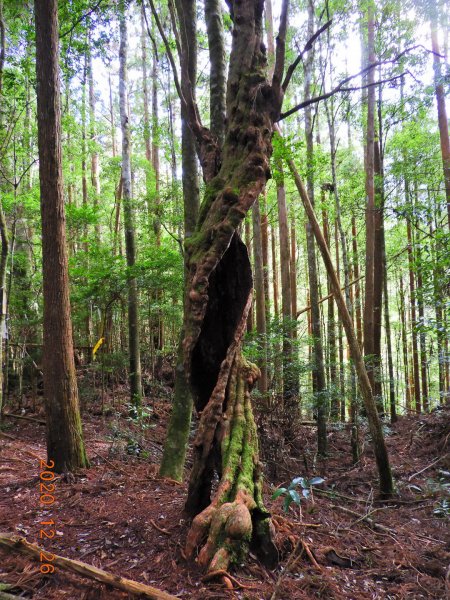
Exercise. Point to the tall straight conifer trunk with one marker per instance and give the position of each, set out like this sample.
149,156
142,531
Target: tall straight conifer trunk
64,433
318,368
130,243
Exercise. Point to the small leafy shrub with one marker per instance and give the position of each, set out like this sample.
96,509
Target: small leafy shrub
291,493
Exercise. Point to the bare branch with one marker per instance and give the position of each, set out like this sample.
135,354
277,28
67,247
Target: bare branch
335,90
341,86
280,51
207,148
307,47
83,16
168,50
150,35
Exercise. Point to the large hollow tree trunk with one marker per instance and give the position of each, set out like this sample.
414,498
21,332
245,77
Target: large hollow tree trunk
64,432
218,298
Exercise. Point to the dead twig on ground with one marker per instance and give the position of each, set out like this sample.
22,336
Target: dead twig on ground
152,522
365,519
427,467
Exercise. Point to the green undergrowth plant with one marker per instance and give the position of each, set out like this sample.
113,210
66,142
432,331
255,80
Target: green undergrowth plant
300,489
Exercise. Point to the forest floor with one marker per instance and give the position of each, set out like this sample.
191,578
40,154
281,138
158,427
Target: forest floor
120,516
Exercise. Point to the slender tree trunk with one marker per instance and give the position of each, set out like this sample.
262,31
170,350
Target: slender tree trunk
274,272
332,385
249,244
319,383
404,346
369,306
64,432
358,315
413,300
176,443
261,326
290,384
146,114
293,274
378,276
340,333
3,265
3,227
265,257
130,243
440,324
422,338
289,399
111,118
387,324
442,112
95,175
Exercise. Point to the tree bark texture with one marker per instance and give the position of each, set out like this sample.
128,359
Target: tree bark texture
218,70
64,432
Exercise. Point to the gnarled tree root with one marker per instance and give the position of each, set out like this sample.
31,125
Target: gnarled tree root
236,517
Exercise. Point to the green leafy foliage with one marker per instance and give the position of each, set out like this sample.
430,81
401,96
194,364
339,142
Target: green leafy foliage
291,493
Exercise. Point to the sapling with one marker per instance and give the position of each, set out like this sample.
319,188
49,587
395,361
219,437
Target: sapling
291,495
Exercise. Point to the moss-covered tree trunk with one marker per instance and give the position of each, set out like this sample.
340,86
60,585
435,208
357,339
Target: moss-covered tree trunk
230,514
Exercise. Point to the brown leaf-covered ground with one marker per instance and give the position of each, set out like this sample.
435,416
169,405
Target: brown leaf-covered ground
120,516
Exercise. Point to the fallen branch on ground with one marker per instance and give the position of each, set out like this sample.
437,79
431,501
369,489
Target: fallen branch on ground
426,468
366,519
32,419
127,585
152,522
